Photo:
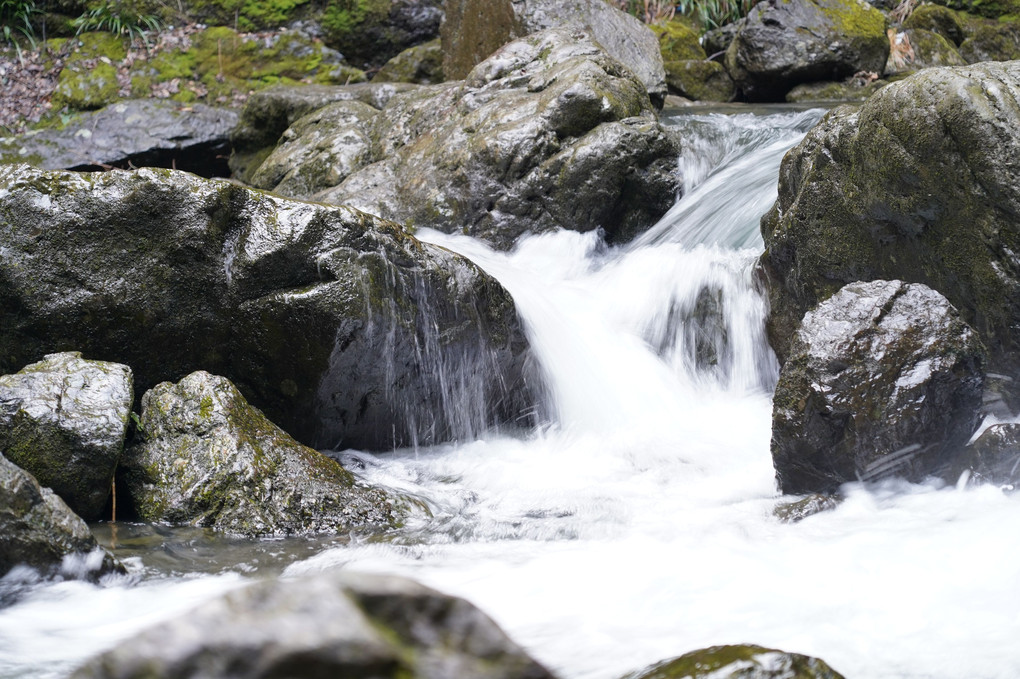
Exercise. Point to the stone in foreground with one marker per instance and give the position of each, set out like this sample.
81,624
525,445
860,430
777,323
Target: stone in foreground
339,624
39,531
884,379
207,458
739,662
64,420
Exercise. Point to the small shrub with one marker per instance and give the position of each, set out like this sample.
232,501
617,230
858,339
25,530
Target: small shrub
711,14
117,20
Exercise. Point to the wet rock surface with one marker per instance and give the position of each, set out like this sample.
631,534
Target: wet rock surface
993,458
38,530
784,44
918,184
207,458
474,29
883,380
548,133
338,624
341,327
141,133
739,662
64,420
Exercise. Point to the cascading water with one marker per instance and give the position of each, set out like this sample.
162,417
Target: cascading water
636,523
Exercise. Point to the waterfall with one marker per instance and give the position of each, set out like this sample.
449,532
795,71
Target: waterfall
635,521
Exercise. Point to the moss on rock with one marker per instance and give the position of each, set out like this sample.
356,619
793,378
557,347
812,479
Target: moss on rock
678,42
700,80
739,661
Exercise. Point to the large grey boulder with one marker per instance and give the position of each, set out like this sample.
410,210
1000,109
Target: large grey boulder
38,530
739,662
64,420
340,624
341,327
883,379
783,44
140,133
472,30
550,132
920,184
207,458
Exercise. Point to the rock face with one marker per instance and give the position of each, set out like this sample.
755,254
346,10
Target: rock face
550,132
883,379
370,32
783,44
474,29
207,458
143,133
342,328
739,662
919,184
64,420
918,48
993,458
38,530
421,64
340,624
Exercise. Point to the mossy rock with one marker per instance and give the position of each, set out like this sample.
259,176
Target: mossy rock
739,662
937,19
916,48
678,42
422,64
98,44
990,9
848,90
700,80
85,88
371,32
991,41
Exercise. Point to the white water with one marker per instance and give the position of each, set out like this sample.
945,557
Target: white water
637,523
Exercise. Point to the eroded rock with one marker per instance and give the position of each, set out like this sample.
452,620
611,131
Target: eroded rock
739,662
64,420
883,379
339,624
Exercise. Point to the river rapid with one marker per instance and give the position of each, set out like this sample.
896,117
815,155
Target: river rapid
636,522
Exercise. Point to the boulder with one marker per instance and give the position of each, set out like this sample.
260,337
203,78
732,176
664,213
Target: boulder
550,132
783,44
700,80
268,113
919,184
991,9
993,458
915,48
340,326
991,41
64,420
678,42
473,30
38,530
339,624
937,19
739,661
854,89
883,379
140,133
421,64
716,41
206,458
371,32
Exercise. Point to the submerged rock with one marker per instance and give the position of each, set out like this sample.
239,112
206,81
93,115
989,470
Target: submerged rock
341,327
207,458
993,458
783,44
64,420
548,133
140,133
340,624
919,184
474,29
39,531
883,379
739,662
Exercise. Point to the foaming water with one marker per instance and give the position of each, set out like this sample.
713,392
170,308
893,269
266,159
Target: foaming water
636,522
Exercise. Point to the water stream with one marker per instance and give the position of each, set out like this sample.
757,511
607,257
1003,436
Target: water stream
636,522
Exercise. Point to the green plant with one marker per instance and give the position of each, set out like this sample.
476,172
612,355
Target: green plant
711,14
118,20
16,18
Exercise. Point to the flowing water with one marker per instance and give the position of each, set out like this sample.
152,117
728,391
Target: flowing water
636,523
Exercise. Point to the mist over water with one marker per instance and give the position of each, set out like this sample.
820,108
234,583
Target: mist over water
636,522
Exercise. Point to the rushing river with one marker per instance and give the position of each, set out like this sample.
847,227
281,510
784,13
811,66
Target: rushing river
636,523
